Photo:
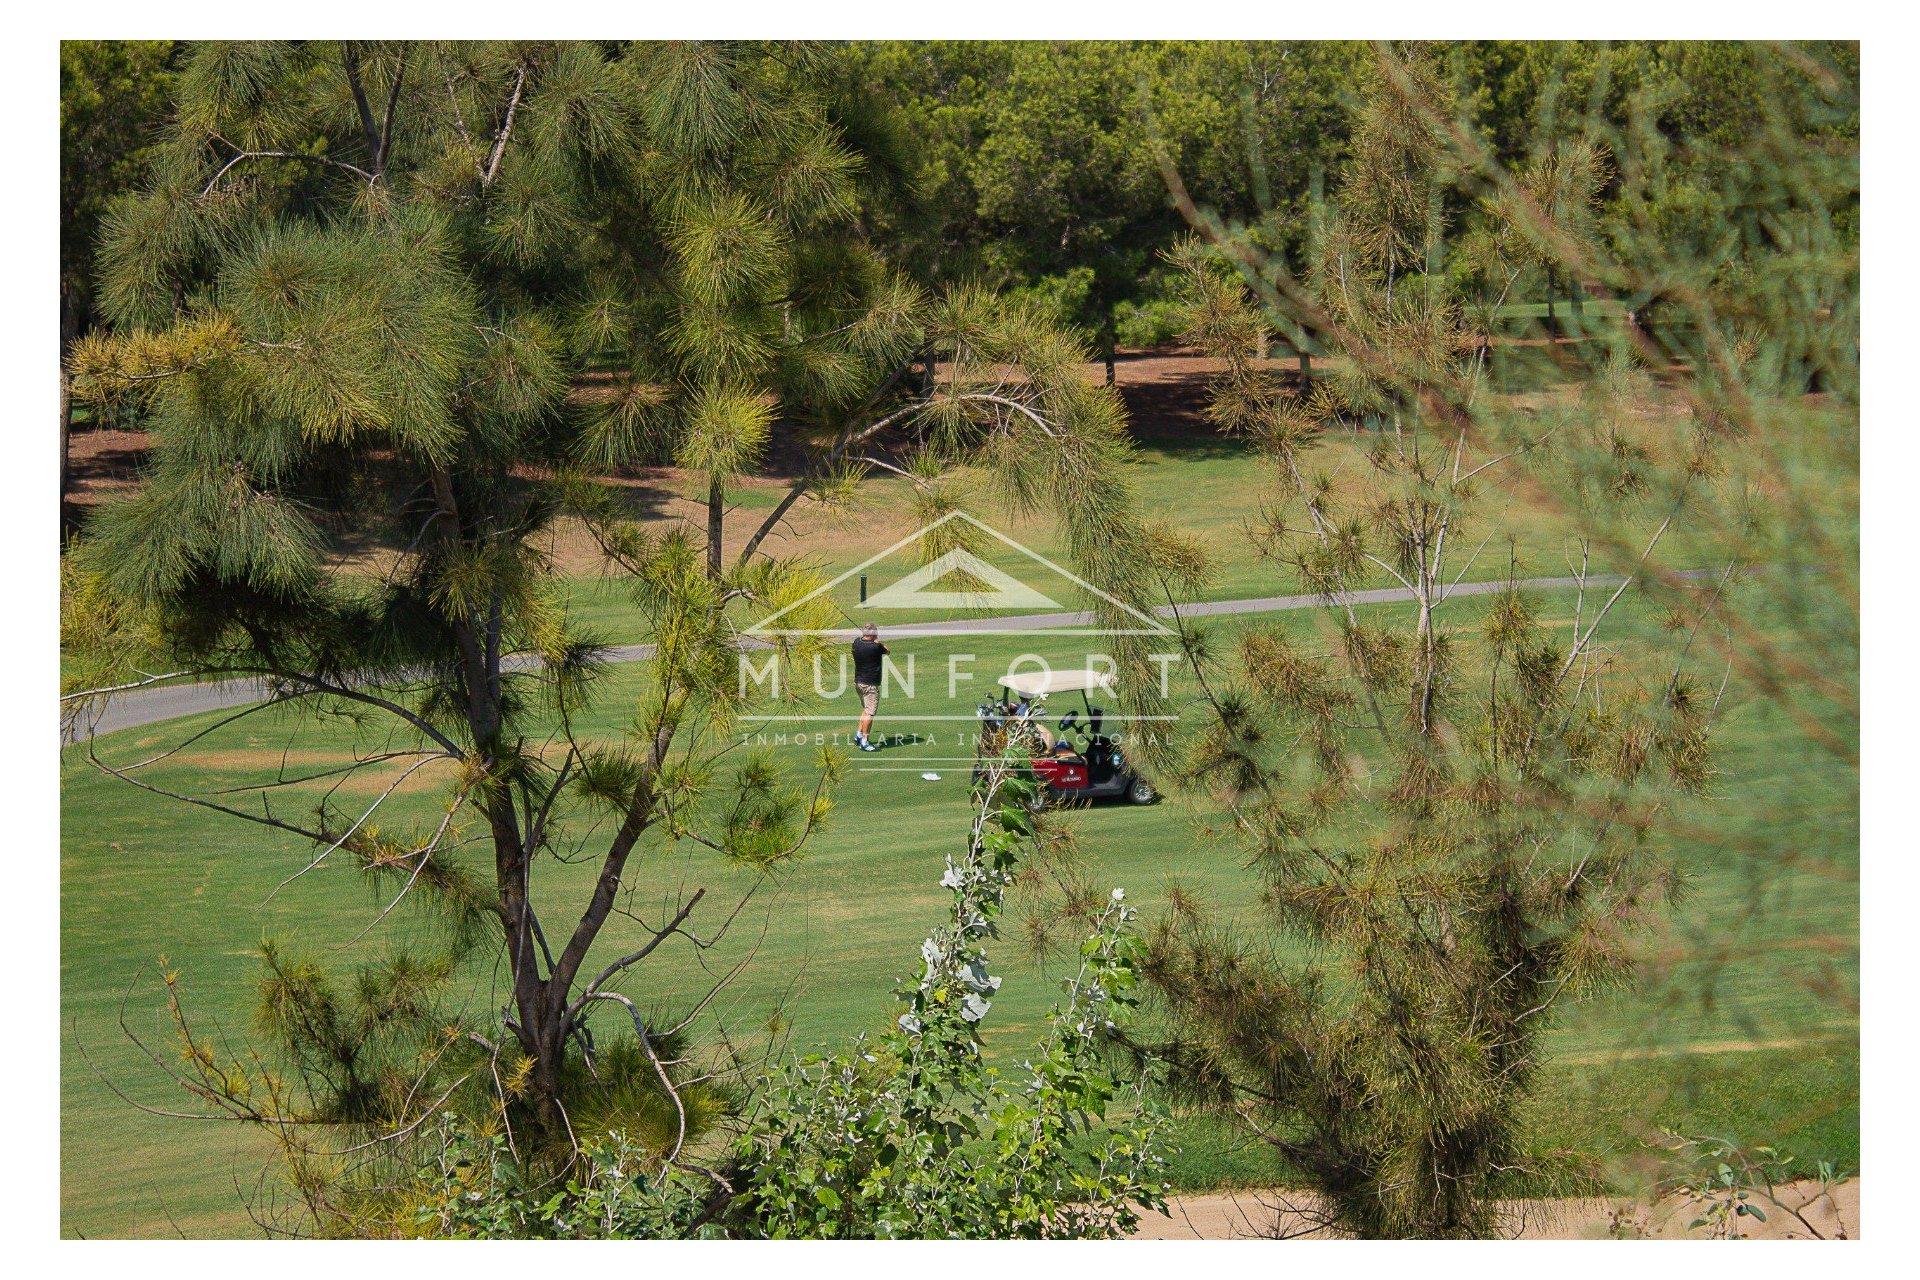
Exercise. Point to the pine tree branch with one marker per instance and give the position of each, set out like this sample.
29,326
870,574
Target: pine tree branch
635,957
492,170
356,170
351,61
122,688
666,1081
460,127
884,465
348,833
639,817
219,724
798,488
846,444
317,837
386,128
424,854
327,687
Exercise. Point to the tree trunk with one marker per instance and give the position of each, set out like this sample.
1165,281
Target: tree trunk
1306,364
543,1036
716,525
69,331
1111,336
66,429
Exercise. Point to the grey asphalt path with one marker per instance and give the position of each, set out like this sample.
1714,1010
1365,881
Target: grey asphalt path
151,705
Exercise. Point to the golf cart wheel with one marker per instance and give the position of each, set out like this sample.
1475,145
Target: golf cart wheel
1142,792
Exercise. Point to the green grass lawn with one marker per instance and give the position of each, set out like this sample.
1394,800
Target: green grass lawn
1217,490
1745,1021
1211,488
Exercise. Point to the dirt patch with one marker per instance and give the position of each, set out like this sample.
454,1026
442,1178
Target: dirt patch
1294,1215
1839,1035
103,459
102,462
1165,391
372,778
255,759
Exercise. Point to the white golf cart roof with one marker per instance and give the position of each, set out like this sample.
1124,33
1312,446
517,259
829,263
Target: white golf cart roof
1031,684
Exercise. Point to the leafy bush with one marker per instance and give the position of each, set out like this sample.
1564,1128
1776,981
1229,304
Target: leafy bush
912,1135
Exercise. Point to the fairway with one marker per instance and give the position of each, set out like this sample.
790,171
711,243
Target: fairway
1745,1021
1213,487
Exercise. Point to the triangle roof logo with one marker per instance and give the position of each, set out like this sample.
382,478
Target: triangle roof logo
1004,591
997,590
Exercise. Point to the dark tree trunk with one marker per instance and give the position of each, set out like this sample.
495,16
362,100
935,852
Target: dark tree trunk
542,1034
69,332
66,430
716,525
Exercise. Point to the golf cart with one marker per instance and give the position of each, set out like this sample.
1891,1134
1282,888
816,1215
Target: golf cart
1075,761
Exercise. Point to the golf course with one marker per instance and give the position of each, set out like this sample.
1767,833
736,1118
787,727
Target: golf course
972,640
1744,1020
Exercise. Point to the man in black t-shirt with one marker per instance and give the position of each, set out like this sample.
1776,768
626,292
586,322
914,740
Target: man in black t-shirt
867,652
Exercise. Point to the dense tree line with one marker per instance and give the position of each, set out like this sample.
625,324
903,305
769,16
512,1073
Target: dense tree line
113,99
1043,166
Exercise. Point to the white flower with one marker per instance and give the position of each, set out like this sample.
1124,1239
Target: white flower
1119,895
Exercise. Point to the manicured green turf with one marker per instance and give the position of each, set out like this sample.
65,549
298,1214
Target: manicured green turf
1216,490
1211,488
1745,1021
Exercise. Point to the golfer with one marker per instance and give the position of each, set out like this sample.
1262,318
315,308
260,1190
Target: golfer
867,652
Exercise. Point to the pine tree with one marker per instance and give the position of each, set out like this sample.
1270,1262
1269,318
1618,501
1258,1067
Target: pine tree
1454,822
438,289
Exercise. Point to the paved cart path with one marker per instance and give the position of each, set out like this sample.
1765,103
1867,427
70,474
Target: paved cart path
150,705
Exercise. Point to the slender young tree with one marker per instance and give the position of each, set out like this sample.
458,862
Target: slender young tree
1456,820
